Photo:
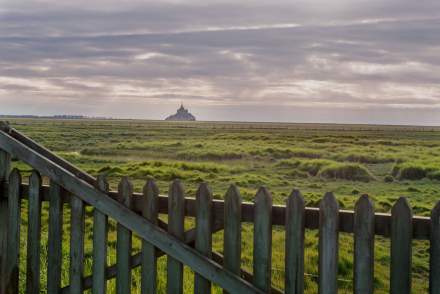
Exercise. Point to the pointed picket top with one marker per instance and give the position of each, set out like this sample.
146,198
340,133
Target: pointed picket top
233,195
176,188
150,188
15,176
296,199
401,206
263,195
329,202
125,189
204,192
363,204
102,183
35,178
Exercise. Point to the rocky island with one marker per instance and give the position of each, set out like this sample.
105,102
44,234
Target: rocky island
182,114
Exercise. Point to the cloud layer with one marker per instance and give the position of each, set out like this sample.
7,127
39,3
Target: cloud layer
372,62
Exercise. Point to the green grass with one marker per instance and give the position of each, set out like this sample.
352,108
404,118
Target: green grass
384,162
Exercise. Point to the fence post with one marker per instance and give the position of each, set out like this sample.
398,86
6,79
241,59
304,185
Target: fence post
77,221
263,240
294,260
328,244
150,210
401,248
203,233
176,218
232,231
13,249
364,246
34,234
55,241
5,165
100,232
123,242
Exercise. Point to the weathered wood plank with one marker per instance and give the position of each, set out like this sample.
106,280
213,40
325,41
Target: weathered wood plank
232,231
77,220
328,244
123,242
401,247
100,236
294,260
34,235
149,259
262,260
55,239
364,246
125,216
5,166
421,224
13,250
176,217
136,259
434,261
203,233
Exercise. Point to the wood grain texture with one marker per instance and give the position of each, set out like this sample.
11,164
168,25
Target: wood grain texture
364,246
434,261
77,219
263,240
5,166
232,231
294,259
14,220
401,247
328,245
34,235
100,238
176,217
124,243
149,259
203,234
54,261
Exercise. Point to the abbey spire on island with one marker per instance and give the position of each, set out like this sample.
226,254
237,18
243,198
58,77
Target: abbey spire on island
182,114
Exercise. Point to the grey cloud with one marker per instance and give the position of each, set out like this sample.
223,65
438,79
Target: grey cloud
367,55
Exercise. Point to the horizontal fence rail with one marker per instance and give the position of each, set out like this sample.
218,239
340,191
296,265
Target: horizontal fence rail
139,213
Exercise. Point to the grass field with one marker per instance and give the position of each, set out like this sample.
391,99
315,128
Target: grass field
385,162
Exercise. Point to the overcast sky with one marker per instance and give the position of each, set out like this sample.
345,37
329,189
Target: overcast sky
298,61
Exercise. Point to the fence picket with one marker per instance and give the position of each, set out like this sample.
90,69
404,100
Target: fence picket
364,246
55,239
77,219
123,243
149,261
328,244
5,165
34,235
401,248
13,248
232,231
176,217
294,260
100,237
203,233
434,262
263,240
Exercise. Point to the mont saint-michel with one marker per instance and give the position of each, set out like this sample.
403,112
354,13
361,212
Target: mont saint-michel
182,114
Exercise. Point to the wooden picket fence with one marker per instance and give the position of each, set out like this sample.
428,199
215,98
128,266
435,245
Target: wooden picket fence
139,213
